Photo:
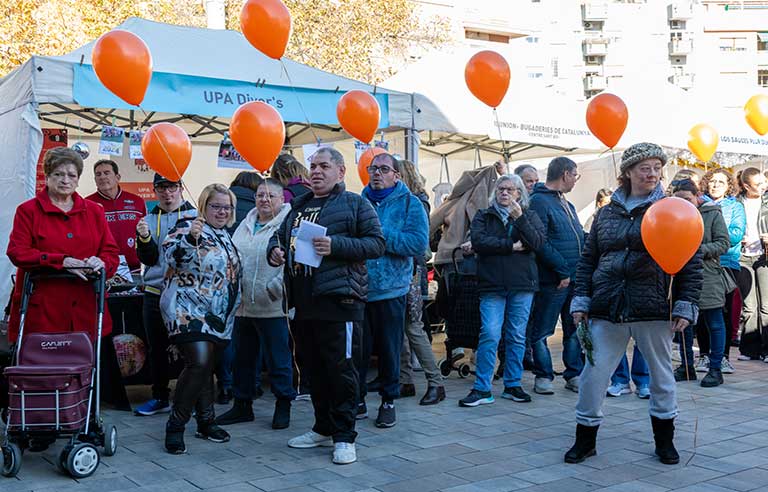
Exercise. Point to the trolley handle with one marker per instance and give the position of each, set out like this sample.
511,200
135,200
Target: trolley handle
98,279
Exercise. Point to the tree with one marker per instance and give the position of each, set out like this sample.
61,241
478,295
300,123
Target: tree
361,39
55,27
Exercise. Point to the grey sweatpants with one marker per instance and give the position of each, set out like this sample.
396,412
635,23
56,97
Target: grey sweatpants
654,339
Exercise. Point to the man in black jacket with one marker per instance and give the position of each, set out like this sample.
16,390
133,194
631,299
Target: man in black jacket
330,299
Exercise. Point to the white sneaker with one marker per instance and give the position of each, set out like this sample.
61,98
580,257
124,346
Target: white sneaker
344,453
726,367
643,392
618,389
676,355
310,440
702,364
543,386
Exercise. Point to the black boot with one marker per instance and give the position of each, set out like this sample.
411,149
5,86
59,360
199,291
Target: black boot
282,416
224,396
713,378
584,447
663,434
174,438
211,432
241,411
683,373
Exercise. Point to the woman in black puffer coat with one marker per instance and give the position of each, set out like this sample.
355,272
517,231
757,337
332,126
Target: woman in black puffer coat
622,292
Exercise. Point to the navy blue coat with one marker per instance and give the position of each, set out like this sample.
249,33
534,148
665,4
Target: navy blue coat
560,253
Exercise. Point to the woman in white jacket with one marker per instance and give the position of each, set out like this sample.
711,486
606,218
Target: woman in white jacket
261,324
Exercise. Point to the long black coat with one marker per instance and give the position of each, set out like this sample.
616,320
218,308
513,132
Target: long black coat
617,280
499,267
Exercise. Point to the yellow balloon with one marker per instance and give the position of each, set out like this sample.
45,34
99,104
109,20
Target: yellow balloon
756,113
703,140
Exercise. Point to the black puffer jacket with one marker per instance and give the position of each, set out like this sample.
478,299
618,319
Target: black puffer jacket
356,236
617,280
499,267
246,201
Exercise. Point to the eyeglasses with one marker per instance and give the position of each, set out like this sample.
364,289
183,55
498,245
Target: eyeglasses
504,189
576,176
61,176
383,169
220,208
167,188
264,196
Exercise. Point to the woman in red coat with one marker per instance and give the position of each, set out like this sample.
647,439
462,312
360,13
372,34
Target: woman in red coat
59,229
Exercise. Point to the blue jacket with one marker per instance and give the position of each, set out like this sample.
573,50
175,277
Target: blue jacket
736,221
405,227
561,251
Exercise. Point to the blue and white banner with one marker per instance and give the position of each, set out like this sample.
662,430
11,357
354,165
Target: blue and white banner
185,94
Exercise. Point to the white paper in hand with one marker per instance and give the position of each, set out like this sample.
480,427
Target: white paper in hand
305,251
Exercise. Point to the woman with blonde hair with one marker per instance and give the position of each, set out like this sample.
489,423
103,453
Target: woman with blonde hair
201,294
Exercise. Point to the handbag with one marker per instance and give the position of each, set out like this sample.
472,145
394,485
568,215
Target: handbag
728,280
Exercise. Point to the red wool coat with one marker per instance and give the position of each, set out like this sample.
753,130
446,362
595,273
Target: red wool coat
42,236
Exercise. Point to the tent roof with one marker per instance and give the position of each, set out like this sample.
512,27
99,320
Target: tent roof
220,54
189,58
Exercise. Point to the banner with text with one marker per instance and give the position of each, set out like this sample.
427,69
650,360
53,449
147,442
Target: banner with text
185,94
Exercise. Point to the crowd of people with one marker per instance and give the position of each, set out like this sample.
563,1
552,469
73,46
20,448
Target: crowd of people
239,284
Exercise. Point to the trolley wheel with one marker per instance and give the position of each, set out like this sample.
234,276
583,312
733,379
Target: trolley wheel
464,371
82,460
11,460
61,463
110,440
445,367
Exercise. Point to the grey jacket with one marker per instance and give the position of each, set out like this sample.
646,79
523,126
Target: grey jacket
151,253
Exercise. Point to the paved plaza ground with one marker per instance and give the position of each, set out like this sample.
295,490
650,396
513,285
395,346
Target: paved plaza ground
722,436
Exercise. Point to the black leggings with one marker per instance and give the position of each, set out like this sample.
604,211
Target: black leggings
194,388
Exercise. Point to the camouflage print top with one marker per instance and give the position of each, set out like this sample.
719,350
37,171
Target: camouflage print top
201,291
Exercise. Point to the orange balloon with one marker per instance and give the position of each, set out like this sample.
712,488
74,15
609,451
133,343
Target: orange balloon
365,160
703,140
123,63
167,149
359,113
756,112
607,118
266,24
487,76
672,230
258,134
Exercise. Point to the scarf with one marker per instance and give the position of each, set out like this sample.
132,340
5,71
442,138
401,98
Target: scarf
378,196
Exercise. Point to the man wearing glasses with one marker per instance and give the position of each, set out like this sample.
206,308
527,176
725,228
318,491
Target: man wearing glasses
150,233
405,225
557,262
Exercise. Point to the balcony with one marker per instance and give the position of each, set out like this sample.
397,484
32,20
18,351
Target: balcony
681,10
595,47
597,11
594,83
683,80
681,47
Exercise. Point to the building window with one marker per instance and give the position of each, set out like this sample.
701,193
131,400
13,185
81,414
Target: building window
532,39
677,24
762,78
555,67
535,75
762,41
486,36
733,44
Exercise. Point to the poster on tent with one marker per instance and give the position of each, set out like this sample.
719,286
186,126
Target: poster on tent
311,149
361,147
111,141
52,138
134,144
229,157
136,177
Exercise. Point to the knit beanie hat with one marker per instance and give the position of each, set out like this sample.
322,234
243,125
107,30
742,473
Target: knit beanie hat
640,152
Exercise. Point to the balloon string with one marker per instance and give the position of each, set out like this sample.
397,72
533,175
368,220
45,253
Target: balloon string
503,143
687,375
298,99
616,175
